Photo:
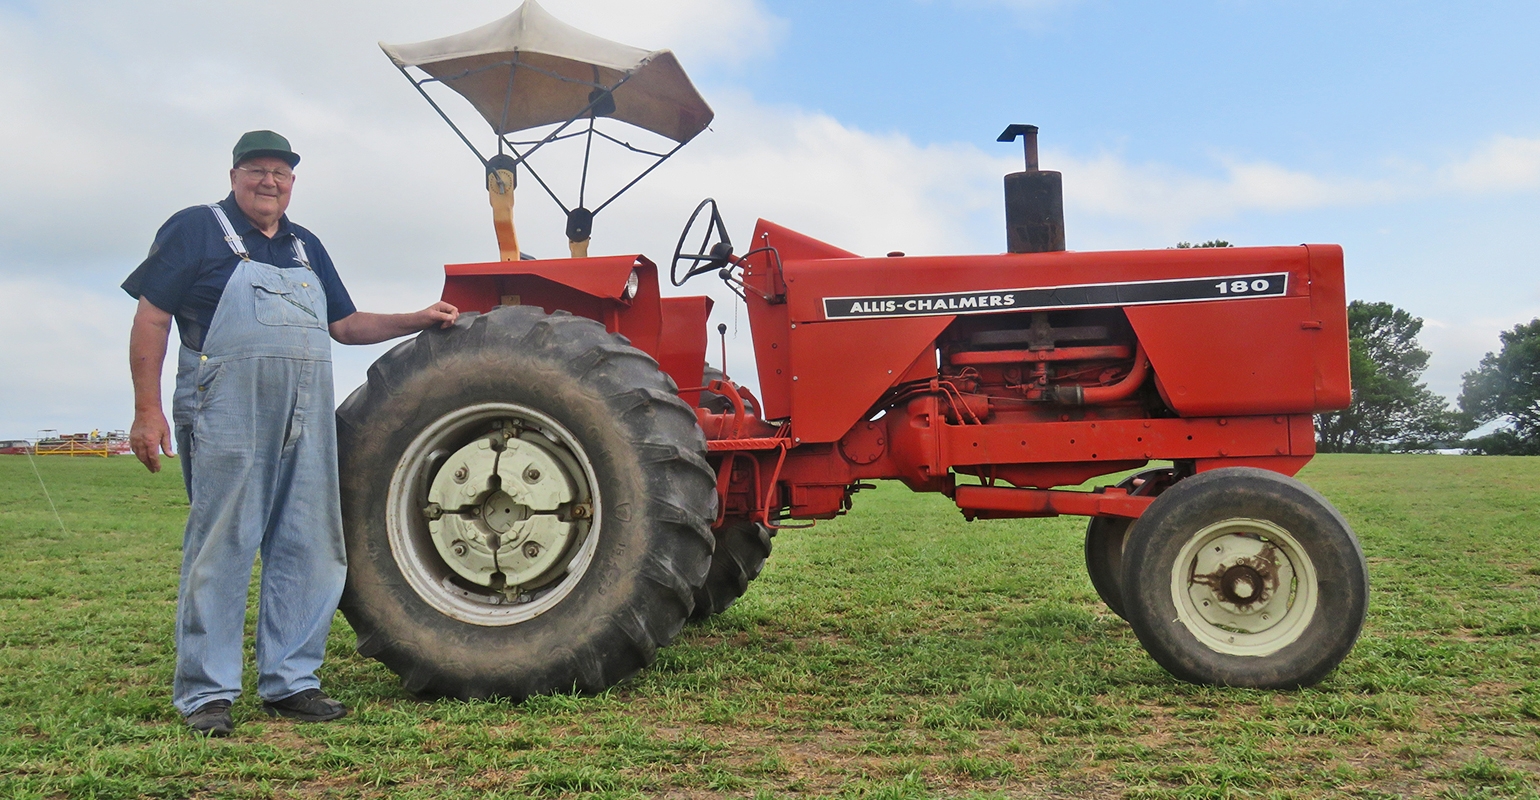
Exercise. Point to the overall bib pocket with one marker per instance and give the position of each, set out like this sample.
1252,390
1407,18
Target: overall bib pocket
280,303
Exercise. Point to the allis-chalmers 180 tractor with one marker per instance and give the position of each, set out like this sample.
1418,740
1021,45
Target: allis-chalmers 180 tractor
539,498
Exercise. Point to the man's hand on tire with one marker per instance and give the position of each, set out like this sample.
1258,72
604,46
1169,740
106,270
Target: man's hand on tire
441,314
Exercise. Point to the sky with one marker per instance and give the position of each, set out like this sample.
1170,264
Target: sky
1407,132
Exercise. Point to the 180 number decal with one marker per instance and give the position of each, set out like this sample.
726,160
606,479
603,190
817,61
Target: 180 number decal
1243,287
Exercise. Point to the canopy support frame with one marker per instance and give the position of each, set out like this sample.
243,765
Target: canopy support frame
522,158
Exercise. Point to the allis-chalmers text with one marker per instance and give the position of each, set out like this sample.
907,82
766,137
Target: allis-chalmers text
1048,298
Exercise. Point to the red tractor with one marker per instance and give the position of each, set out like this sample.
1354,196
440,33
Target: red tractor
539,498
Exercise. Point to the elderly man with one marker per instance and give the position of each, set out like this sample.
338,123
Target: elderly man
254,297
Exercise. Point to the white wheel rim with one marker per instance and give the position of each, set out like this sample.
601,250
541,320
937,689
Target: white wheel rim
413,546
1244,587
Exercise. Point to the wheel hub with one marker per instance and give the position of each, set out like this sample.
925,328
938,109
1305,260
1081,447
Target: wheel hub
502,513
1242,585
1235,583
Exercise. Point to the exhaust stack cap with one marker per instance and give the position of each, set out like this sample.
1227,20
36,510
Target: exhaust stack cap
1028,134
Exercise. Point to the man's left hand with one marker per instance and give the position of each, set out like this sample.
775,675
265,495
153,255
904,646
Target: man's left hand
441,313
363,327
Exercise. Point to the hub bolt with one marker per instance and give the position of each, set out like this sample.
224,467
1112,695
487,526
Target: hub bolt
459,547
462,473
531,549
531,475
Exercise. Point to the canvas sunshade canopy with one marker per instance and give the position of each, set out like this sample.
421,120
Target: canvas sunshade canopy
530,69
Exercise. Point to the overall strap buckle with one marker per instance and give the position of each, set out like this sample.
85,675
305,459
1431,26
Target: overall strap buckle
237,244
299,253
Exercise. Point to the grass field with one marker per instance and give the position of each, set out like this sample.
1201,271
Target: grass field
898,652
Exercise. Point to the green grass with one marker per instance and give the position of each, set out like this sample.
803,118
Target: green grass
899,652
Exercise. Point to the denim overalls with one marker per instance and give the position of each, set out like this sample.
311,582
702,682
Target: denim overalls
255,424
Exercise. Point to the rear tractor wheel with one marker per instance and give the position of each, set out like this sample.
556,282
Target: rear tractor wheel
526,503
1244,577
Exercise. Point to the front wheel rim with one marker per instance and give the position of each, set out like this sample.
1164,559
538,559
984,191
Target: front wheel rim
418,556
1244,587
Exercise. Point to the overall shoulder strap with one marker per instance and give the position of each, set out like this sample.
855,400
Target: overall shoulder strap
299,253
231,237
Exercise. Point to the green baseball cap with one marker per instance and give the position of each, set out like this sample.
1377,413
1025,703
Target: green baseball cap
254,144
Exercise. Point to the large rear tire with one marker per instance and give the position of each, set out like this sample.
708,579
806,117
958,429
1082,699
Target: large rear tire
527,507
1244,577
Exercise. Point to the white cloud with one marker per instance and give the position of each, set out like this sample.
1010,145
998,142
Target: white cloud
1458,344
864,192
92,89
66,360
119,114
702,32
1165,202
1504,164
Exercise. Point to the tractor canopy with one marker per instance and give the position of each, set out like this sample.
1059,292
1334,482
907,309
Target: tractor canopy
530,69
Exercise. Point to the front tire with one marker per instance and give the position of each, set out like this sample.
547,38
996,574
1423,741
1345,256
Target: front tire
1104,537
742,548
526,504
1244,577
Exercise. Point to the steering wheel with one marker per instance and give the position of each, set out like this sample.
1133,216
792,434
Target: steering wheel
705,260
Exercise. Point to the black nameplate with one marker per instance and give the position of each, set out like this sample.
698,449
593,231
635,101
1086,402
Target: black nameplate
1048,298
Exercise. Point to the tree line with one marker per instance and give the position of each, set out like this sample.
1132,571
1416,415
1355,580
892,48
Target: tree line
1393,411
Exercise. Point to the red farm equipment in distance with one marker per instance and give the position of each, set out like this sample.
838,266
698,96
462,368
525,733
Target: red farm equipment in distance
538,499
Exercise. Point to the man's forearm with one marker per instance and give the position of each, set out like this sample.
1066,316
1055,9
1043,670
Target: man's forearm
364,327
150,435
147,356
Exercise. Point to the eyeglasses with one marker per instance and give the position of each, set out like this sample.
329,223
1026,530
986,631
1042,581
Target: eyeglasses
258,174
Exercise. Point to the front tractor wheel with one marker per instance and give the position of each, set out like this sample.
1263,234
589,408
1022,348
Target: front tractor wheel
1104,537
742,548
527,508
742,545
1244,577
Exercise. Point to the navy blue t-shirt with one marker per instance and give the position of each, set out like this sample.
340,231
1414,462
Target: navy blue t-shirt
190,263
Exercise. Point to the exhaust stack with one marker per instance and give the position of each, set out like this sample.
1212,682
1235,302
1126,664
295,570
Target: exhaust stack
1034,201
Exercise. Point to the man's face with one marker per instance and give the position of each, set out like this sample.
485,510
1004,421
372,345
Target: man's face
262,187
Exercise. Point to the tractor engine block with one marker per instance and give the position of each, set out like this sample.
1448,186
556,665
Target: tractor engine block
1049,366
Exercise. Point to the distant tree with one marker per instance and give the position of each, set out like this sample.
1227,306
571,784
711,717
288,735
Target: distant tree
1392,411
1507,385
1209,243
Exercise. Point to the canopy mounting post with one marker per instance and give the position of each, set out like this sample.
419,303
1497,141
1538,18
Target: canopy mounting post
502,178
580,226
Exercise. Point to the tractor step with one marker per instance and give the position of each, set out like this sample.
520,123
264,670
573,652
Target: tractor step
764,443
